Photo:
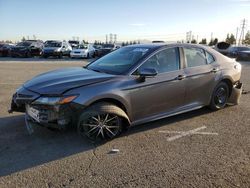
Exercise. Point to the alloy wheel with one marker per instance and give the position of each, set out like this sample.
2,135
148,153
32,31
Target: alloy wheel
105,126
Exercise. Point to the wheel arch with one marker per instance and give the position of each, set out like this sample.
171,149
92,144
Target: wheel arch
229,82
113,101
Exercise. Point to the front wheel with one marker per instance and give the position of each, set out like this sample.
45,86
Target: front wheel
102,121
220,96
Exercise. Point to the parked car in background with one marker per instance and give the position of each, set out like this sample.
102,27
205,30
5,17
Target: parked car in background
56,48
74,43
243,56
28,48
130,86
97,49
107,48
5,49
83,51
235,50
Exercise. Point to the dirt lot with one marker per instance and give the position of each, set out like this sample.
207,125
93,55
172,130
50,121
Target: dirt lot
196,149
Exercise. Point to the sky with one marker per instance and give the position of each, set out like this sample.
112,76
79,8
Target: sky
91,20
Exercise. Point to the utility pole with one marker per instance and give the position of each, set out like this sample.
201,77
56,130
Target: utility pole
115,38
110,38
236,36
242,33
189,37
107,39
212,37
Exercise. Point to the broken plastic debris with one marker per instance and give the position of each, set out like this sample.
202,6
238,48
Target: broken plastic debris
29,126
113,151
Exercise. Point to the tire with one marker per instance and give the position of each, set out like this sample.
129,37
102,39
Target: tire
220,96
60,56
88,56
28,55
102,121
93,56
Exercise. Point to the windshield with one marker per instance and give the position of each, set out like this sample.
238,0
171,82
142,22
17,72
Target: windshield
82,47
24,44
53,44
119,61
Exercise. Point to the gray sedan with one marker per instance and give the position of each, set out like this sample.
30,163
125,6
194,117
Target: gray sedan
130,86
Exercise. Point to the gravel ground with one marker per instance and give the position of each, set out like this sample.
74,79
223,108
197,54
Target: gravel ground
218,157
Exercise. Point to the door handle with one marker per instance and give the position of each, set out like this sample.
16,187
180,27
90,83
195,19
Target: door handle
180,77
214,70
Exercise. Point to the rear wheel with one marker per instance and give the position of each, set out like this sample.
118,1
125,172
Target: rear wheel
102,121
220,96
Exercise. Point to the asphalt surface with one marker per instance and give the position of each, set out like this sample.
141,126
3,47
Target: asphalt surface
196,149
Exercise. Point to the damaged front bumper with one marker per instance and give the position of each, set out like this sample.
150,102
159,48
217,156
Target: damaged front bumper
234,98
59,116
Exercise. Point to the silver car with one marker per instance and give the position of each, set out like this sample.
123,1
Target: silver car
130,86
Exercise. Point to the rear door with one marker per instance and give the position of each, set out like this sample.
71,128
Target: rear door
201,74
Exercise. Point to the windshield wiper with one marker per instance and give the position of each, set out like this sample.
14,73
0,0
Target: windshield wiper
95,70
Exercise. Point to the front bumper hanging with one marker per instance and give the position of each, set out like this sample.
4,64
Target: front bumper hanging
234,98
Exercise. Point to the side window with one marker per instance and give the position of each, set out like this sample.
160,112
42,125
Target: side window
164,61
195,57
210,58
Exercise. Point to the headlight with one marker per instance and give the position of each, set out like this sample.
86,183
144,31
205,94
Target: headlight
55,100
58,50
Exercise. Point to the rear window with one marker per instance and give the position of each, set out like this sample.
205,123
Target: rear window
210,58
195,57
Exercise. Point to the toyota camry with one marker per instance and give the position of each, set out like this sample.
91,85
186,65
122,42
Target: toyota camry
130,86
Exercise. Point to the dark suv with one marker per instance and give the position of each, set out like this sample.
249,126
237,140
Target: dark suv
28,48
235,51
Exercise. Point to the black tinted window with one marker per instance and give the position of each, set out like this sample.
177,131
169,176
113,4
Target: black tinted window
195,57
164,61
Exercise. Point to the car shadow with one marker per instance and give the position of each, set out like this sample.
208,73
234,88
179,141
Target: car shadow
167,121
20,151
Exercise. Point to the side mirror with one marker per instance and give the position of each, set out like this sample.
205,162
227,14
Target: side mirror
64,47
147,72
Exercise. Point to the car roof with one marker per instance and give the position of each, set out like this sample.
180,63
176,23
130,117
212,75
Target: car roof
160,45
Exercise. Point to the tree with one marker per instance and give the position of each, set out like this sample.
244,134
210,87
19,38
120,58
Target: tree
230,39
247,38
134,42
23,39
193,41
203,41
213,42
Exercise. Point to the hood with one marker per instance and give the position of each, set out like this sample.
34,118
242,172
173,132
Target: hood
79,50
246,51
59,81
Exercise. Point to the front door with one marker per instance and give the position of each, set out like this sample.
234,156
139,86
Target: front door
159,94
